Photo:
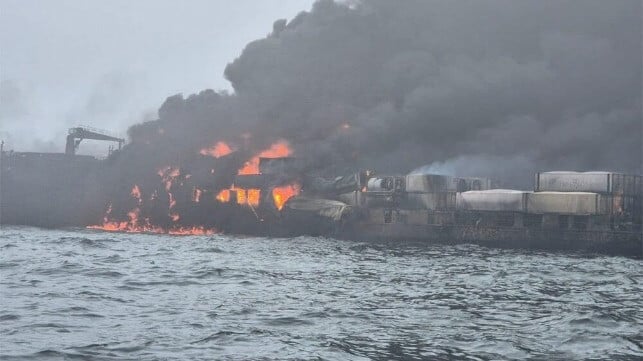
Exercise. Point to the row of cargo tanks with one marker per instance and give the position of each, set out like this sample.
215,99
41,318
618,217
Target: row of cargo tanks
592,211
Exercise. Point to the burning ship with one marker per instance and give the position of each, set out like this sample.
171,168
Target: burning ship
224,188
344,88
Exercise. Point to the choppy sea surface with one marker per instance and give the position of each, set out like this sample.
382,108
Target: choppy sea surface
81,294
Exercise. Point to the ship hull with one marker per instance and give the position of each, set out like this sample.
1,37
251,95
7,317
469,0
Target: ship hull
629,244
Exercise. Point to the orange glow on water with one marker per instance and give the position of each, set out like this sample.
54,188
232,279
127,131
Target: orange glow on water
147,228
191,231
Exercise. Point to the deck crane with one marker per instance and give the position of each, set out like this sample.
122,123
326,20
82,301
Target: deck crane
77,134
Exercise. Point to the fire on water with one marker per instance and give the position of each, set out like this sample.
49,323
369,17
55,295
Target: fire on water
128,228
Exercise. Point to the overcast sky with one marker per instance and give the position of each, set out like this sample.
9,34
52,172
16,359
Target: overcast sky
110,64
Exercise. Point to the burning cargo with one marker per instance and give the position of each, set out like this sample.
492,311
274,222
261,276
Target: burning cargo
598,182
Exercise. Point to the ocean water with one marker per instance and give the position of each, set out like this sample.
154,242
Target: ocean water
81,294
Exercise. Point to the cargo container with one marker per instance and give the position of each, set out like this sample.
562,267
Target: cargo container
597,182
439,201
477,184
568,203
508,200
431,183
444,183
386,184
627,206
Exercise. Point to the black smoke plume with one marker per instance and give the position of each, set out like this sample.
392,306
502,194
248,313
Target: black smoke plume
496,88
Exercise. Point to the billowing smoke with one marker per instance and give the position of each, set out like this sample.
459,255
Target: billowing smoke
491,88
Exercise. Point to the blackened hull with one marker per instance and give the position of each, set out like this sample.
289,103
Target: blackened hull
629,244
50,190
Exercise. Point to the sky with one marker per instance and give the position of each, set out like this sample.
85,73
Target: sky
111,64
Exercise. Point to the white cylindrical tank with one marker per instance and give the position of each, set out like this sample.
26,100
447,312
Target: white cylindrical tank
573,203
507,200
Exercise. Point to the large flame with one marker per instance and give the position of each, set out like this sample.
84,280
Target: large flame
218,150
172,182
136,224
249,197
280,195
191,231
277,150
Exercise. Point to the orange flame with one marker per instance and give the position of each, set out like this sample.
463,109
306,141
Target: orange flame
218,150
244,196
277,150
241,196
253,197
136,224
281,194
191,231
223,196
147,228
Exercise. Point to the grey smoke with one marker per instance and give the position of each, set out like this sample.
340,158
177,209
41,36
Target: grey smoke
485,88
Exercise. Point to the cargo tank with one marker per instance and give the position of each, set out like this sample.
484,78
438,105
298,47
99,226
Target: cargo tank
592,212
